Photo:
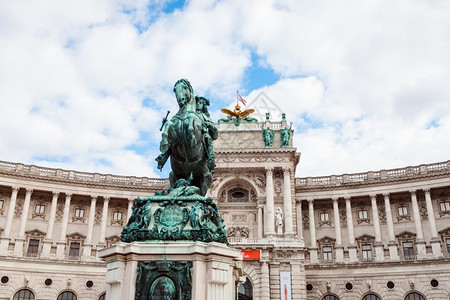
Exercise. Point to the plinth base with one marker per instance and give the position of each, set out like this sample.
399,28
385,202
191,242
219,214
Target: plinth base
215,267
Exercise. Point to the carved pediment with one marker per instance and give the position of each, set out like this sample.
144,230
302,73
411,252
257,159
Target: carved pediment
365,238
76,236
326,240
35,233
406,235
445,231
113,239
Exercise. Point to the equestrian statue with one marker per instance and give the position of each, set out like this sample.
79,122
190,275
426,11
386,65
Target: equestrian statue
187,139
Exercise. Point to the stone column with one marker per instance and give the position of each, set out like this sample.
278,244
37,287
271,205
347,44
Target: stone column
20,240
435,241
87,247
352,248
129,210
420,243
337,229
379,248
314,258
61,244
4,244
299,219
393,250
274,277
298,280
104,220
288,229
269,221
260,222
265,282
47,245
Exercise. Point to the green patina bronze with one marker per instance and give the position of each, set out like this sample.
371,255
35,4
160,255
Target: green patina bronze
164,280
267,135
187,140
182,212
285,135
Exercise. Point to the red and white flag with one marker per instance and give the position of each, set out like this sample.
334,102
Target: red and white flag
242,100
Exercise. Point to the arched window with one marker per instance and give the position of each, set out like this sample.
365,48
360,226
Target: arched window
102,297
330,297
414,296
371,297
67,295
245,291
24,295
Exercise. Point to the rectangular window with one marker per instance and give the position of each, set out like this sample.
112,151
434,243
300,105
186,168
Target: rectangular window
74,249
366,251
79,213
403,210
448,246
327,253
1,204
324,217
408,249
117,216
39,209
445,206
362,214
33,246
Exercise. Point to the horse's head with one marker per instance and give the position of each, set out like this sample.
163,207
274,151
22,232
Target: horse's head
184,92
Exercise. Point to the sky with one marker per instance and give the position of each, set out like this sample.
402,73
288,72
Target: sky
84,84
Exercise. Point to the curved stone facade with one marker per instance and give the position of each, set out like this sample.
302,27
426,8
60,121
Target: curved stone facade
350,236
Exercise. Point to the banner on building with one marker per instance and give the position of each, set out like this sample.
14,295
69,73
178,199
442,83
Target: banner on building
251,254
285,285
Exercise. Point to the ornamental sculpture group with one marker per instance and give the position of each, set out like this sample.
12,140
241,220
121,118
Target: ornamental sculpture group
182,212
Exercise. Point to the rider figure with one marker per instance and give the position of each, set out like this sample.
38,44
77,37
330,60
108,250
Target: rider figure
209,131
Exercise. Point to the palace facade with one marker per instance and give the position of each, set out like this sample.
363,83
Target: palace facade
373,235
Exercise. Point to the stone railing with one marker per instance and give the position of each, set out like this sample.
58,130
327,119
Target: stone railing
373,176
266,241
81,176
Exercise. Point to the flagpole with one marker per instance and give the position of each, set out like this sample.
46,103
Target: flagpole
237,97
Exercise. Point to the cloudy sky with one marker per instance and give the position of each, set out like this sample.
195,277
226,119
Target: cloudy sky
84,84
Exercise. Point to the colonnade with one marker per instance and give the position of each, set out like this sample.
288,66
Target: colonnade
61,238
378,245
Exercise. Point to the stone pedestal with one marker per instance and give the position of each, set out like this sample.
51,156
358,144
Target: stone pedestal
215,267
18,246
46,248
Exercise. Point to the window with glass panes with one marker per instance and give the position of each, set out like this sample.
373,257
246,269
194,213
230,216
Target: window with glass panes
445,206
366,251
79,212
1,204
33,246
324,217
403,210
371,297
117,215
23,295
327,252
39,209
448,245
74,250
408,249
67,295
362,214
414,296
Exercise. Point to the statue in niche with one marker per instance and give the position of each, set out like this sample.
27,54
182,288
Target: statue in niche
285,134
186,139
279,217
267,135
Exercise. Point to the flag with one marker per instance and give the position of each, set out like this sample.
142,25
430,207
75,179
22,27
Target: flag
242,100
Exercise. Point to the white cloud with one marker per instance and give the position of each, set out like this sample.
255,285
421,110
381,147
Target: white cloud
85,82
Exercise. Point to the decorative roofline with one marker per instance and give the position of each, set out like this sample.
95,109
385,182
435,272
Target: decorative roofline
80,177
373,177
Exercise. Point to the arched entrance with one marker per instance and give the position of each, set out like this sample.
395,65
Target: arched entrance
245,290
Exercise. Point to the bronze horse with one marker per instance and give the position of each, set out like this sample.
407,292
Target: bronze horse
183,139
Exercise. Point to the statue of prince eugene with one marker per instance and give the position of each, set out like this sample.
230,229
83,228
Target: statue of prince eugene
182,212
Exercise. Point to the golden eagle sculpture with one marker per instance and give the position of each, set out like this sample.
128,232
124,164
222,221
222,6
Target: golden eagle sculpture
237,115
